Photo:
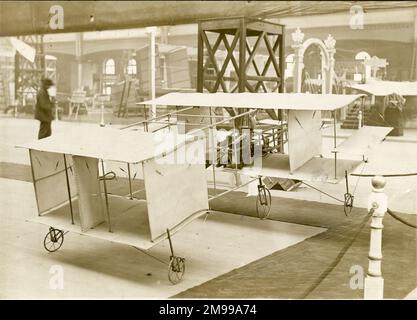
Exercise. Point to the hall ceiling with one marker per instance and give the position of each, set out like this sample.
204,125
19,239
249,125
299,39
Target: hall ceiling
32,17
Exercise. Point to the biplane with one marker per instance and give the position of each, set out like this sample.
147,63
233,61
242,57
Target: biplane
72,194
300,130
71,171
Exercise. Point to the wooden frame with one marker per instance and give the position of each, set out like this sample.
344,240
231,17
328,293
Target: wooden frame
241,29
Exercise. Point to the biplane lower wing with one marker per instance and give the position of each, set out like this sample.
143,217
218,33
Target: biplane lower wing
361,142
316,169
129,220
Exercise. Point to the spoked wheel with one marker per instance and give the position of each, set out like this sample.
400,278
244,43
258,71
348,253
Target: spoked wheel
263,202
348,205
53,240
176,269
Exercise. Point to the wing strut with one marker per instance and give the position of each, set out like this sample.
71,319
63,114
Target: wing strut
68,190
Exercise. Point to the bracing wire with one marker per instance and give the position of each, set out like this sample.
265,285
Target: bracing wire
148,254
321,191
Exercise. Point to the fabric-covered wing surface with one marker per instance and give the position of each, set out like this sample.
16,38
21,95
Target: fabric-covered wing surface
315,170
174,192
107,144
49,179
90,200
383,88
257,100
304,136
362,141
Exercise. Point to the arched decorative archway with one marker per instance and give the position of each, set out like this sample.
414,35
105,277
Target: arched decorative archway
327,49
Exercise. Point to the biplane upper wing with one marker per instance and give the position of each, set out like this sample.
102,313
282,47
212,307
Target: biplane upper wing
257,100
107,144
383,88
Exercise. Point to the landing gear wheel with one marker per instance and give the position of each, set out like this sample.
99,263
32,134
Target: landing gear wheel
176,269
53,240
348,204
263,202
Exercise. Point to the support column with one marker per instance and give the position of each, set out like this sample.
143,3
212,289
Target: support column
330,44
151,31
323,73
374,283
413,73
330,73
297,38
298,70
164,40
78,57
164,34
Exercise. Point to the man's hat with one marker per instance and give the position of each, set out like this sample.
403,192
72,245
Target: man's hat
46,82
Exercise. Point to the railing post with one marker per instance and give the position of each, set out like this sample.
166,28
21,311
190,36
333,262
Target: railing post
102,123
360,117
377,200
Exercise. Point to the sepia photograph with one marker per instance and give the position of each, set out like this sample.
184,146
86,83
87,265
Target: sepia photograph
224,152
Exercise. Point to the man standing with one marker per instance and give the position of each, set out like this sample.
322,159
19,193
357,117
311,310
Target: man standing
393,113
43,109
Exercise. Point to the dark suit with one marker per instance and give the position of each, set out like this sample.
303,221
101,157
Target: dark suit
43,113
